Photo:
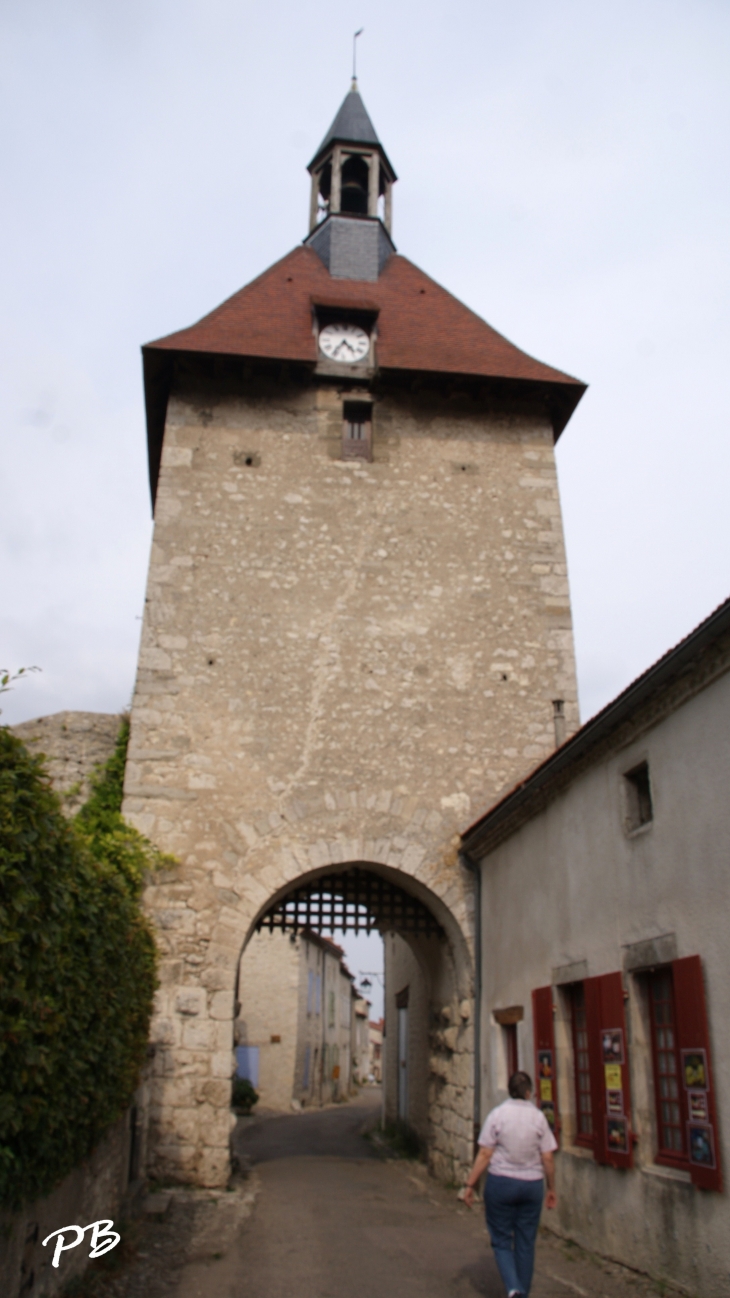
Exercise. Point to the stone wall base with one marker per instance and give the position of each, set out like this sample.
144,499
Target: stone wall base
93,1191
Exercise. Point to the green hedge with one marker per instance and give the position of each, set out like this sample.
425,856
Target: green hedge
77,970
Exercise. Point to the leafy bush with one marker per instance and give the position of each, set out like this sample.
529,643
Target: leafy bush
77,970
244,1096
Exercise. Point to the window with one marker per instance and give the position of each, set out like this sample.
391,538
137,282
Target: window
330,1009
637,787
670,1120
357,429
581,1066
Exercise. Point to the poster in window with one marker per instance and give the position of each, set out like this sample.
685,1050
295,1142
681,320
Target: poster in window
615,1102
549,1110
546,1090
701,1144
617,1135
694,1069
697,1102
545,1063
612,1074
612,1045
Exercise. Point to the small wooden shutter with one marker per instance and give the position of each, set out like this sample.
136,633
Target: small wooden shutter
546,1088
693,1035
605,1019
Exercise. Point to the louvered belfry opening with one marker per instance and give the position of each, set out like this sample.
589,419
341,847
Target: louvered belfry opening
351,901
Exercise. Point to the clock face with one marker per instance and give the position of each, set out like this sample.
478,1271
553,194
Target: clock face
344,342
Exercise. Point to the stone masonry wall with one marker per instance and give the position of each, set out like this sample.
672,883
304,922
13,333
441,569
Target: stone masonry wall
340,662
94,1191
74,743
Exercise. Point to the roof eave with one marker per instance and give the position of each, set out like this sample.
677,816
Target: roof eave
562,394
527,798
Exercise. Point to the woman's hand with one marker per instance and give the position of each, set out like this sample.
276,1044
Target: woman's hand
551,1199
481,1163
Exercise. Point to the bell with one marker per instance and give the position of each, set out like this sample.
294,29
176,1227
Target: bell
354,198
354,186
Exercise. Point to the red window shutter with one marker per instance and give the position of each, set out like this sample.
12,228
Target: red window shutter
546,1087
693,1035
606,1023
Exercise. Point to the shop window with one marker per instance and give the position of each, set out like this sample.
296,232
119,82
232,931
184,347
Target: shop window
667,1076
584,1134
357,430
601,1069
639,807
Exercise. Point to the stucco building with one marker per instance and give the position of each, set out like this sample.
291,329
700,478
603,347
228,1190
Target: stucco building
375,1049
357,619
294,1019
605,893
360,1039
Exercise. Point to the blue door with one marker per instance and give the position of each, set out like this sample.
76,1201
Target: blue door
247,1063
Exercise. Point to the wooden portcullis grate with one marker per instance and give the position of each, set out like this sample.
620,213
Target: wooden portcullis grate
354,901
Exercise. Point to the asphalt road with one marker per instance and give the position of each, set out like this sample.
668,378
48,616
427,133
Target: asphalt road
335,1132
334,1221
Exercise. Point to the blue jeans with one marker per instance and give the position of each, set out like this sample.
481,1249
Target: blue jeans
513,1210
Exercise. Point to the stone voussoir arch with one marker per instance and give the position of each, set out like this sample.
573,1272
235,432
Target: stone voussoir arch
192,1030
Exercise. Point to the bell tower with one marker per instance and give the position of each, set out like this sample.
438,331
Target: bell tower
357,634
351,205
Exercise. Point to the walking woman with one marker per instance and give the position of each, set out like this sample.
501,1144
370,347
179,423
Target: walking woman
516,1144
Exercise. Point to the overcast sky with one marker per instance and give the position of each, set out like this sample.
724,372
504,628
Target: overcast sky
563,170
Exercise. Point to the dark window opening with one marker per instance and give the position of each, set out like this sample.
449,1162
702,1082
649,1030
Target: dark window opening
510,1048
665,1054
584,1133
638,796
357,431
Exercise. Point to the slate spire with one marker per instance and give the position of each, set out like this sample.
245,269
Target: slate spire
351,125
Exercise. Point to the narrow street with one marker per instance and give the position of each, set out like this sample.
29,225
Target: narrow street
332,1219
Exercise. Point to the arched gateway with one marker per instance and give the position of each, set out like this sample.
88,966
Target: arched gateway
357,628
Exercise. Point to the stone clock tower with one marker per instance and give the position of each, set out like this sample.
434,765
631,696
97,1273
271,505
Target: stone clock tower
357,628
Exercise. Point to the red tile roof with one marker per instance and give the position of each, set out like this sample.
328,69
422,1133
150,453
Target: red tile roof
421,326
421,329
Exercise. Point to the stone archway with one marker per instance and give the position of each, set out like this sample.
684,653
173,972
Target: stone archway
188,1087
425,951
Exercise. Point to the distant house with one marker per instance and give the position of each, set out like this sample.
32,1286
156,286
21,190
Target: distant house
360,1038
294,1022
375,1051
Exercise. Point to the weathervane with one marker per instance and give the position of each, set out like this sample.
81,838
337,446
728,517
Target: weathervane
354,54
